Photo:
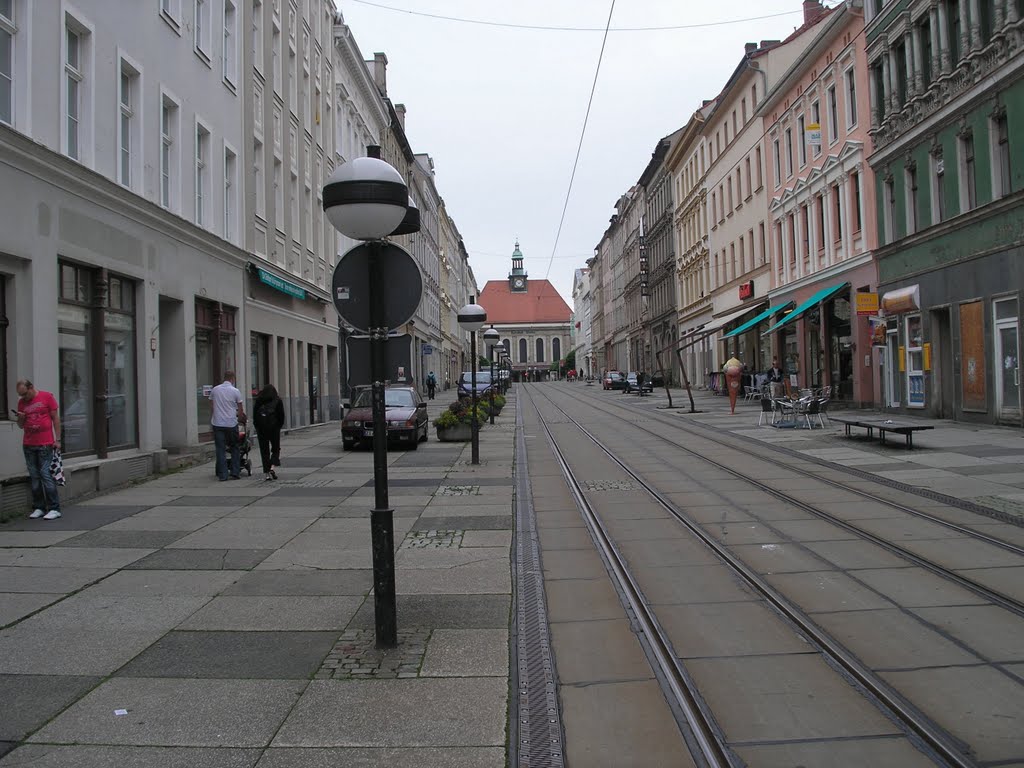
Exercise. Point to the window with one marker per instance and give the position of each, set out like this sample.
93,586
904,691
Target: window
819,204
170,10
924,35
714,206
168,157
801,129
202,28
938,189
7,30
851,98
260,181
816,119
764,255
278,195
753,96
731,206
760,179
968,196
912,199
202,177
229,195
953,22
257,35
1001,159
275,52
833,115
837,217
855,186
986,11
747,163
228,55
789,153
126,122
292,86
743,109
777,162
540,350
293,220
899,67
73,84
522,351
890,210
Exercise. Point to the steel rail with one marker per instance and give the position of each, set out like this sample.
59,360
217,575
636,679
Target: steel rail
1004,601
945,746
676,682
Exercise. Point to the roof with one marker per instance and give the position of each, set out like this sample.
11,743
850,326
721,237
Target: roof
540,304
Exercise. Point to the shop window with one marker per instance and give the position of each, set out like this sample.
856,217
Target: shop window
915,362
215,355
98,393
259,362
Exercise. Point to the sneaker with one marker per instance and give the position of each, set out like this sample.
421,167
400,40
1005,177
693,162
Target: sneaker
53,514
36,513
266,477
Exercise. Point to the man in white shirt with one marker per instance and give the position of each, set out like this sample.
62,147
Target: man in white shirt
227,412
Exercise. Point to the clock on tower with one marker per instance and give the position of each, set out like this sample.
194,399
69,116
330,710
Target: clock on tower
517,277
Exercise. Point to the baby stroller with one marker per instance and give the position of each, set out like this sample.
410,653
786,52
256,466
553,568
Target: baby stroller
244,446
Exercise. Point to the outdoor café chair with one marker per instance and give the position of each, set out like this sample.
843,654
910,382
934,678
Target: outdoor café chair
767,406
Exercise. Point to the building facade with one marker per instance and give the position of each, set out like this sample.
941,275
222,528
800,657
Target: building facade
581,320
816,121
121,197
947,114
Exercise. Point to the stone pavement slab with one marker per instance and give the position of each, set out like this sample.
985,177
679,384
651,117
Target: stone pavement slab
917,588
52,580
235,533
441,712
31,700
72,557
153,582
145,539
888,752
827,591
348,582
29,650
187,713
993,632
233,655
203,559
444,612
77,517
53,756
266,612
18,605
37,538
603,650
466,653
115,613
357,757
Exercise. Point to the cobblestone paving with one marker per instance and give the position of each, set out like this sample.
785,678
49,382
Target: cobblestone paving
354,656
1008,506
433,539
458,490
610,485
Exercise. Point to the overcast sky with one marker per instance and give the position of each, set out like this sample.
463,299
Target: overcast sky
500,110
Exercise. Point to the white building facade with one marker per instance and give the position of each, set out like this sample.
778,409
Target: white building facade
581,322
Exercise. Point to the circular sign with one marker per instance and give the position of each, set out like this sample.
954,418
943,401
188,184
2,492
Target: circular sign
392,301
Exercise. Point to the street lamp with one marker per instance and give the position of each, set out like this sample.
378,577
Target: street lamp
491,337
367,199
472,318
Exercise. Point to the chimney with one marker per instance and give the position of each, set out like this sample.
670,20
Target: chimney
749,48
813,10
380,72
400,111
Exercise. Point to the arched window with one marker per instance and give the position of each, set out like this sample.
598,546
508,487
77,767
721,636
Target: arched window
540,350
556,350
508,347
522,351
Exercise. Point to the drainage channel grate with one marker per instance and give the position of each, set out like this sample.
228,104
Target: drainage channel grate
610,485
538,725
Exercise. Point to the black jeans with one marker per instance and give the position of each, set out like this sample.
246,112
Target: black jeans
270,447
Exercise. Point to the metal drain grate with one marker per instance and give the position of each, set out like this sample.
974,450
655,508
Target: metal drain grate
610,485
538,725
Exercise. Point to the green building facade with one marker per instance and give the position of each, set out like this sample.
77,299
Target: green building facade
947,95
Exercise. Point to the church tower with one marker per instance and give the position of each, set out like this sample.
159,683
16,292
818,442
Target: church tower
517,277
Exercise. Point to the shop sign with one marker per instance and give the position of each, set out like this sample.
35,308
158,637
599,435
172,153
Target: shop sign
878,331
814,135
926,354
427,349
903,300
278,284
867,303
747,290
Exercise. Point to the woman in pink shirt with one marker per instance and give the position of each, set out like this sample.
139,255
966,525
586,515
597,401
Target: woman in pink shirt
39,418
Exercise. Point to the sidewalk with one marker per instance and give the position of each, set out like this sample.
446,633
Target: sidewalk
978,463
188,623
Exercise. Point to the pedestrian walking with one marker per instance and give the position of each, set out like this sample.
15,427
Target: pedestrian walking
268,418
775,378
431,385
227,412
39,418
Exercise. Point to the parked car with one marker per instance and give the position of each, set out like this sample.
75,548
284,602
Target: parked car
483,383
633,384
657,380
614,380
405,412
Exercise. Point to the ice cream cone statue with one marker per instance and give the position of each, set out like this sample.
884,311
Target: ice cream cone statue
733,374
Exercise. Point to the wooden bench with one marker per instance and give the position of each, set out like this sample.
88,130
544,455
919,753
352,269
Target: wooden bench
905,428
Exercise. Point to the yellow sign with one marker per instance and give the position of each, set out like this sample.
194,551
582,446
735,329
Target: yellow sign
927,354
867,303
903,358
813,132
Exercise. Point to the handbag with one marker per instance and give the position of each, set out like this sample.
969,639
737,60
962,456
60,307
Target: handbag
57,467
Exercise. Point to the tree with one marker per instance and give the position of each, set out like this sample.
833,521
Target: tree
570,360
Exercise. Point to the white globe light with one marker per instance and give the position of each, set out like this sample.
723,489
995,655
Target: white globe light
365,198
472,317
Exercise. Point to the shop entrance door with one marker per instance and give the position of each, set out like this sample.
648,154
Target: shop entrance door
891,372
314,384
1007,366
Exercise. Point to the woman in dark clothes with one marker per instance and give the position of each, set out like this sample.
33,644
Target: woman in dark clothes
268,417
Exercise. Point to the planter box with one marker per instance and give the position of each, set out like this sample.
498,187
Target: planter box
460,433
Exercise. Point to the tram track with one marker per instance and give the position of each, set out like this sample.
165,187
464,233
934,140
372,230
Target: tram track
944,748
1005,601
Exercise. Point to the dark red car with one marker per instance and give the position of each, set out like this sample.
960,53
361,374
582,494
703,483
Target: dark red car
406,415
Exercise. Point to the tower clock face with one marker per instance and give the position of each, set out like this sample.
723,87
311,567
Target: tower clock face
518,282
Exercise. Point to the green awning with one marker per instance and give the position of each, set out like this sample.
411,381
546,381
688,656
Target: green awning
751,323
814,301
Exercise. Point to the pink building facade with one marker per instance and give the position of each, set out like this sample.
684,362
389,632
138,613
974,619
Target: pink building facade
816,123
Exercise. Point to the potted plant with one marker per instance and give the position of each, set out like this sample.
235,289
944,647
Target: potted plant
451,428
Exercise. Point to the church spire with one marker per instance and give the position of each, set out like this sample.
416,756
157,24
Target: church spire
517,277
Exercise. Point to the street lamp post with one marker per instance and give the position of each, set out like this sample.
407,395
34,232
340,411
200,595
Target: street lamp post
367,199
471,318
491,337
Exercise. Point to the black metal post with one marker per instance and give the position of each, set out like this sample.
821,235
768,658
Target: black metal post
382,527
475,426
491,390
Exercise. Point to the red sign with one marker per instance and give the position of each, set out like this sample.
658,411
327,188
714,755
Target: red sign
747,290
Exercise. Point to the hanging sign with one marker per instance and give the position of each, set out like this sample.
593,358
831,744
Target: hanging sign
867,303
813,133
